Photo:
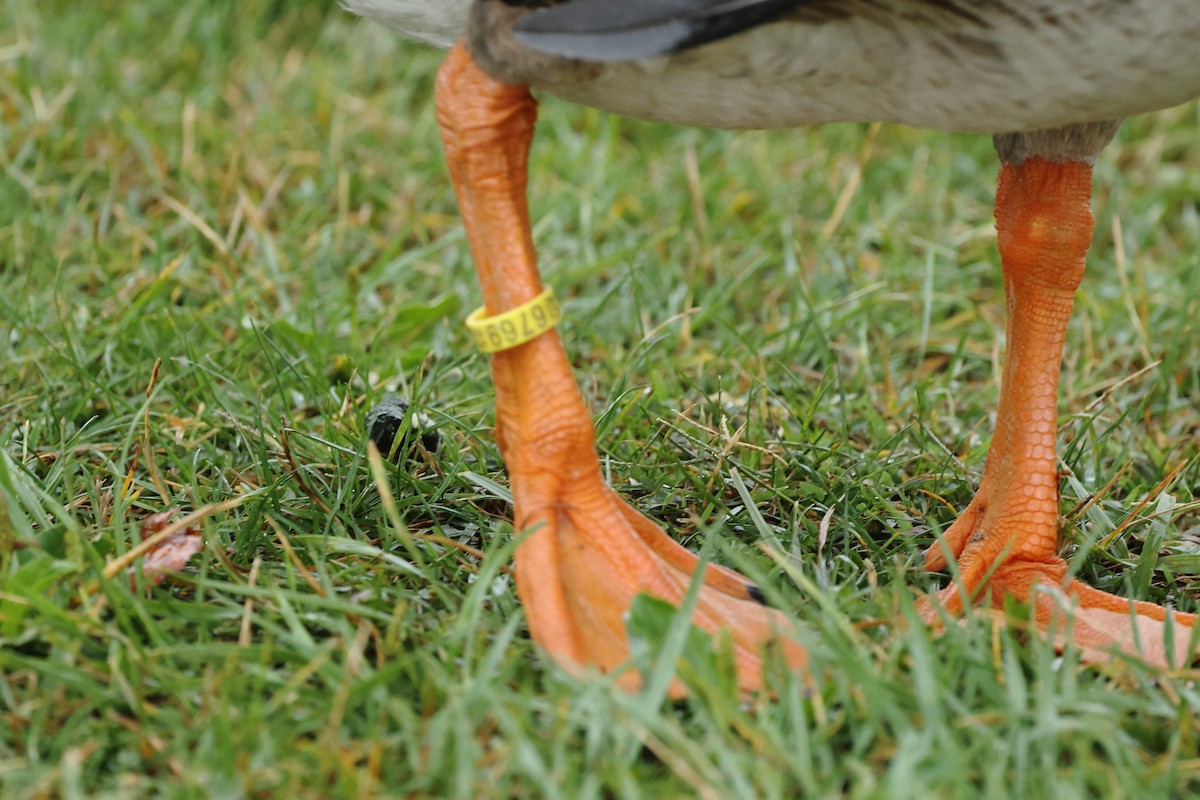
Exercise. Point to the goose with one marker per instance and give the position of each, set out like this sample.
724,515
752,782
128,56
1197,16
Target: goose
1049,80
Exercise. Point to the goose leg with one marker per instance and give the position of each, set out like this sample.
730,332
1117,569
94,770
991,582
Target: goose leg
1006,540
587,553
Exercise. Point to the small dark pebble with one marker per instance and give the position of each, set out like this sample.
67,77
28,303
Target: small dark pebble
385,419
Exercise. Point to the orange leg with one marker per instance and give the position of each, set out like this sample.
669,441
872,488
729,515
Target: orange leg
1006,540
589,553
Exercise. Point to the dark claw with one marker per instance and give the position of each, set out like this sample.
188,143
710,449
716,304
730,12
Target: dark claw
757,595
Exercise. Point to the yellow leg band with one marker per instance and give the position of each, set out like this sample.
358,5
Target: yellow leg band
515,326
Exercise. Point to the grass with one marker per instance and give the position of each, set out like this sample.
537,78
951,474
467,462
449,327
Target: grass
226,232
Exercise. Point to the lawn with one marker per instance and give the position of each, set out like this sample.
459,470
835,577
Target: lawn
229,233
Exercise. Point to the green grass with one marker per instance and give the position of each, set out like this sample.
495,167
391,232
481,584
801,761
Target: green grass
253,193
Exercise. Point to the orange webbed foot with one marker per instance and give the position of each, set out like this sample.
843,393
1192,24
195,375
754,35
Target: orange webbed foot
1005,543
590,554
1101,625
587,554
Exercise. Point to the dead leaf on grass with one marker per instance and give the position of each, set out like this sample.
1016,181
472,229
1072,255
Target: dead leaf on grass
169,555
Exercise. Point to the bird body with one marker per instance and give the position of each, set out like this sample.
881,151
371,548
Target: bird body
986,67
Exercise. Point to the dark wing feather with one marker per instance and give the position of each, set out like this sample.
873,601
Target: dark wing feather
627,30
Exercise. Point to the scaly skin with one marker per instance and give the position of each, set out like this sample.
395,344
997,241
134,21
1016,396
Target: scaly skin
587,553
1006,540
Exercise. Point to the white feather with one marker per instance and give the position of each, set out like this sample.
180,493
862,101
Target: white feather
436,22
